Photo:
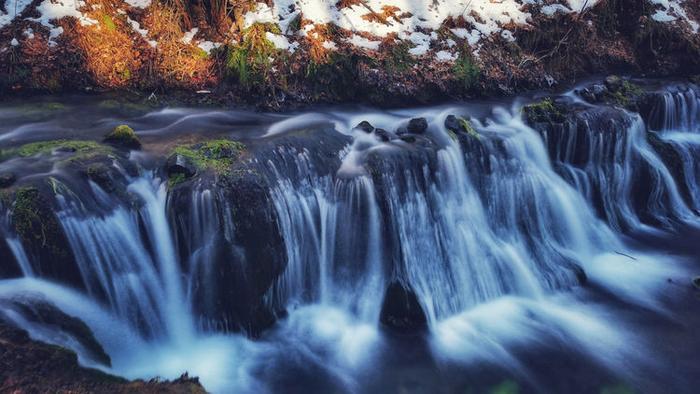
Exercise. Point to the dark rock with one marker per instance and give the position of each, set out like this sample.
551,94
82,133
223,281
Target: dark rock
384,135
43,313
123,136
365,126
599,91
417,126
613,83
452,123
7,179
180,165
696,282
401,311
408,138
35,222
100,173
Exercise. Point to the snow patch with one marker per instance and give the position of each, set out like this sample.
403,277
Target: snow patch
208,46
14,8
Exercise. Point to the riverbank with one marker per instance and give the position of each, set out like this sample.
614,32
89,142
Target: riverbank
283,55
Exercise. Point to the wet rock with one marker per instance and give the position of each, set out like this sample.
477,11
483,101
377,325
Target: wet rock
365,126
34,221
696,282
452,123
545,111
408,138
613,83
384,135
178,164
36,367
43,313
100,173
401,311
7,179
417,126
124,137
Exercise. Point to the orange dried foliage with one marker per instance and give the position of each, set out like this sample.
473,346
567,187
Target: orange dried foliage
110,54
177,64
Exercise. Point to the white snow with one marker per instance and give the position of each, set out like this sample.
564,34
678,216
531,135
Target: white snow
362,42
51,10
143,32
138,3
446,56
281,42
208,46
14,8
672,11
189,36
14,42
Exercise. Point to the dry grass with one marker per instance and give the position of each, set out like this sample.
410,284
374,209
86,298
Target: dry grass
110,54
176,63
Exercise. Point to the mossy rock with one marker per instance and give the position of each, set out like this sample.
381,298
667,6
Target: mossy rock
38,228
214,155
123,136
76,149
626,95
545,111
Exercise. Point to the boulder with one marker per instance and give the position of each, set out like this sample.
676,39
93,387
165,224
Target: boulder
696,282
613,83
178,164
124,137
365,126
417,126
401,310
384,135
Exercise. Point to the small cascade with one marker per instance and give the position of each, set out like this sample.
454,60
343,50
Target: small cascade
675,118
605,154
142,286
332,234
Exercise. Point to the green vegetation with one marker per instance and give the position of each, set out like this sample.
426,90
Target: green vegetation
30,219
108,22
216,155
176,179
125,136
543,112
626,94
468,128
466,70
250,61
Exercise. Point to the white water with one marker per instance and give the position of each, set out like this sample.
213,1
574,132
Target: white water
490,257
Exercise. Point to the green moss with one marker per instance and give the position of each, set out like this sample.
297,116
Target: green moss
216,155
249,62
108,22
466,70
468,127
626,94
125,136
543,112
28,216
176,179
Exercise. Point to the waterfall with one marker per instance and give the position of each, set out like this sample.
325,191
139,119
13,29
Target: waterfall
143,287
331,229
506,223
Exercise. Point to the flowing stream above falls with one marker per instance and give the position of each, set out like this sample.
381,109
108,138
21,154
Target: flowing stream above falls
518,247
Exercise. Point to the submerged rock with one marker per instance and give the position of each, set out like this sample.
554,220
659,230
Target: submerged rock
696,282
123,136
401,311
365,126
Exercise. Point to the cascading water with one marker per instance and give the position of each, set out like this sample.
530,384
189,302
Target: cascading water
493,230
